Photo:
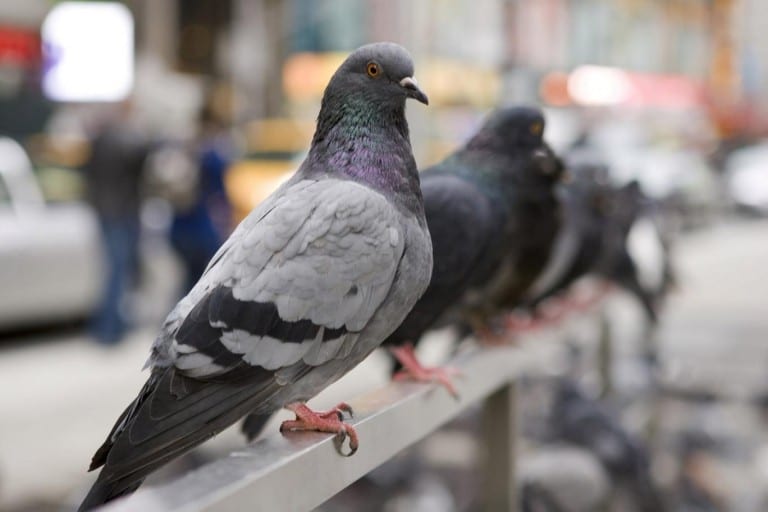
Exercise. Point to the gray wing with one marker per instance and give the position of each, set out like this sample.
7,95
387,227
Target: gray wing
297,282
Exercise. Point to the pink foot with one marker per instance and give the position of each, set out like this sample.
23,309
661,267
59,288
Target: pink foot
413,370
323,421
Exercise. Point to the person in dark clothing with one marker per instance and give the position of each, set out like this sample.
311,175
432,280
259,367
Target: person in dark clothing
200,228
113,176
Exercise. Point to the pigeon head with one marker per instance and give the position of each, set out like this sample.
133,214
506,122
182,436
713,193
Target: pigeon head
362,133
378,75
518,132
511,141
511,129
365,101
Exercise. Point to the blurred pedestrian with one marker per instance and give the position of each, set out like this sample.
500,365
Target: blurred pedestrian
113,176
201,225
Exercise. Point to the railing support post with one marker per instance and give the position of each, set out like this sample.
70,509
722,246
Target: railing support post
499,489
605,355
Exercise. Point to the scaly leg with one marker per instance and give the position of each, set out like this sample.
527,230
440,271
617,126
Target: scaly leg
413,370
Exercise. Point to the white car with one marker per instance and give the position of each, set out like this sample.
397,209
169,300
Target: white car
51,264
746,172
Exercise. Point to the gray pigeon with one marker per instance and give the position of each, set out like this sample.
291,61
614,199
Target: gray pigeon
311,282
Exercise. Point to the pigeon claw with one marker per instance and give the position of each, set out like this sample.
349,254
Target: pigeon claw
331,422
413,370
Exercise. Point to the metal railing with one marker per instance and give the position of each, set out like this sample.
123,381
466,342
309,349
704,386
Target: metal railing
300,471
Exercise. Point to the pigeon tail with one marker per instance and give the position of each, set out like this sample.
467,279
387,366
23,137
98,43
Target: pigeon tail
141,442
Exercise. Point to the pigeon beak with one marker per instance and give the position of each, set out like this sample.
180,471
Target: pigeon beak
412,90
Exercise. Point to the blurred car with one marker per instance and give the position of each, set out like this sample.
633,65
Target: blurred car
276,148
51,264
251,180
746,175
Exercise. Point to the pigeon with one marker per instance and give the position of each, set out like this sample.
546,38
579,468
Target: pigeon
311,282
652,275
585,422
492,215
600,222
580,242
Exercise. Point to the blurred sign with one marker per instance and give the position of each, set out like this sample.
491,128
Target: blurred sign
88,51
605,86
671,91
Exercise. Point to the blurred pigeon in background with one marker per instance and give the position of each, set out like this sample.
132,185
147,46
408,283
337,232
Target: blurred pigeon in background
306,287
583,421
648,246
579,243
607,232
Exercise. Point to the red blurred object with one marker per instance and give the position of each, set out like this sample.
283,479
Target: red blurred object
671,91
20,47
600,85
554,89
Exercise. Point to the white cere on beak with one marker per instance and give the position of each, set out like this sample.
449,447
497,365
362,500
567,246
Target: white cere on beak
409,82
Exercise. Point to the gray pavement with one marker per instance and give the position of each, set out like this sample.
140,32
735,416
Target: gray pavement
716,332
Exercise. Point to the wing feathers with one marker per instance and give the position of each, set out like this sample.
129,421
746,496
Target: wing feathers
319,269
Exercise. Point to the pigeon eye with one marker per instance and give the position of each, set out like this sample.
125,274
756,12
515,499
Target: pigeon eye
373,69
536,128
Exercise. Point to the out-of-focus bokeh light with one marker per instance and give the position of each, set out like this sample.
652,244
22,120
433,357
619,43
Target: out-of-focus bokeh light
88,48
597,85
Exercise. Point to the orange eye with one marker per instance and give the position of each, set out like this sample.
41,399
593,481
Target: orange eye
373,69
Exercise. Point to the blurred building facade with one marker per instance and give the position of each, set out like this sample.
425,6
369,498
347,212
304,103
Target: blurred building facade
184,44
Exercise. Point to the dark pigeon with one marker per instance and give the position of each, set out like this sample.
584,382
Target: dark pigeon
583,421
646,272
311,282
493,215
598,220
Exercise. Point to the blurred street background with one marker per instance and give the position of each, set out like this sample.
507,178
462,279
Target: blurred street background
135,135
